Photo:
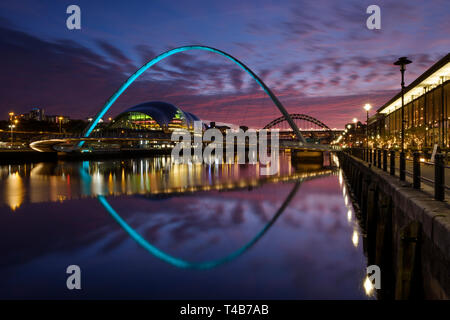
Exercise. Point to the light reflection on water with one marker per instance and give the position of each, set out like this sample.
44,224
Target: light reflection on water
50,218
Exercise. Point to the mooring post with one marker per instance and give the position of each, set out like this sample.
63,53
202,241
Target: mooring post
379,159
385,160
402,166
392,169
416,170
439,177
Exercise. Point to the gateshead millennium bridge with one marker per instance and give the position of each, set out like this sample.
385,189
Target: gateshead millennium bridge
292,139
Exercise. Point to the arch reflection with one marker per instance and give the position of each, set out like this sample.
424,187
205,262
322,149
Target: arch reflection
181,263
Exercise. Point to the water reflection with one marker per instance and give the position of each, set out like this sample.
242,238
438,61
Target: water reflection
180,263
301,238
52,182
14,190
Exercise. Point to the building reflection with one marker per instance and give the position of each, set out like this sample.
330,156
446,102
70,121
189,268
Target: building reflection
14,190
156,176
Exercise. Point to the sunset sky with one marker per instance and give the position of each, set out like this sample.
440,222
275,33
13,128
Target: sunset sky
318,57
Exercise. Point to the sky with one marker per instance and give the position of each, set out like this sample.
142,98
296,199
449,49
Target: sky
318,57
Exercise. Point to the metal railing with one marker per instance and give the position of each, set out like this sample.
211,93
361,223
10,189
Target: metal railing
379,158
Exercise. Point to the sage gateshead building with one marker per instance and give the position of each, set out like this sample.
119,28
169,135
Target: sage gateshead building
426,113
154,116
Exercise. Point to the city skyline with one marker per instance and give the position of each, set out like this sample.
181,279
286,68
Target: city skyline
327,65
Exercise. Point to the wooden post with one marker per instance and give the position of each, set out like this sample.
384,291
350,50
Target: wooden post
371,221
406,260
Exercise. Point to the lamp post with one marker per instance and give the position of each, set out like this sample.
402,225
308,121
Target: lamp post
12,126
367,107
60,120
354,130
402,62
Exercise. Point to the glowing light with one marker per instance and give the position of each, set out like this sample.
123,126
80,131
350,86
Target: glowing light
368,287
349,215
14,191
367,107
355,238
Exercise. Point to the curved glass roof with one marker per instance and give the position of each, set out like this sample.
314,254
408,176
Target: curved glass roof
162,112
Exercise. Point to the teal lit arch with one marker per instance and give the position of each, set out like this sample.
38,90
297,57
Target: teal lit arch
177,262
180,263
166,54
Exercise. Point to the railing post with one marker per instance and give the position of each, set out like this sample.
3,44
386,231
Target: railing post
385,160
402,166
392,169
374,157
379,159
439,177
370,155
416,170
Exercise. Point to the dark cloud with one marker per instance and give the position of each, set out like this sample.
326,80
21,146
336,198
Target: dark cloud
236,78
146,53
291,70
116,54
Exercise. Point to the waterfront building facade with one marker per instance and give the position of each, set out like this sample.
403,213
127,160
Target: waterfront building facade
427,113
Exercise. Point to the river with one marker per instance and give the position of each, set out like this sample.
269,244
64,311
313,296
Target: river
151,229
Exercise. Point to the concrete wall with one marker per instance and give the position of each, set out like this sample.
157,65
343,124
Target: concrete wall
407,232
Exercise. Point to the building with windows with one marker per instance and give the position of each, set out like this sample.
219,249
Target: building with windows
36,114
154,116
427,113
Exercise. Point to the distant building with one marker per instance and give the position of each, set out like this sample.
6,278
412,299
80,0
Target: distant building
36,114
57,119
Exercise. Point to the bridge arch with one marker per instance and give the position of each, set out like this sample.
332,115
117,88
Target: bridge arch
297,116
168,53
301,116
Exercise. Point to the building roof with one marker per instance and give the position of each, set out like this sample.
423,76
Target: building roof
161,112
429,78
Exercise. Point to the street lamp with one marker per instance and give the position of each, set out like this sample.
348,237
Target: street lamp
402,62
11,115
355,121
367,107
60,120
12,126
